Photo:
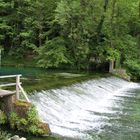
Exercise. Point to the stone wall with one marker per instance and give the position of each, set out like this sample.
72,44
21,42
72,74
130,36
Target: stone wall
121,73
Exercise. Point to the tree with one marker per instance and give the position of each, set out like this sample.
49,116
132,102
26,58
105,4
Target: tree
84,33
79,20
53,53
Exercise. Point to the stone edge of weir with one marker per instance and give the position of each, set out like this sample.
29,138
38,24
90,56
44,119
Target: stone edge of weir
11,104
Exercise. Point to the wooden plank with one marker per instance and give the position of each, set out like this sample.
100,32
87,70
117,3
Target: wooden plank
6,93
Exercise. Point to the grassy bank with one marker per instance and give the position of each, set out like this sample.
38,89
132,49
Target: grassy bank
18,62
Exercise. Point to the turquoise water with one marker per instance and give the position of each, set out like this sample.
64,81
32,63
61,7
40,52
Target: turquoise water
102,109
42,79
35,79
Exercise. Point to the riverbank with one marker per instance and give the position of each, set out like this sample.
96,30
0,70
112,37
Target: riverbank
9,132
31,63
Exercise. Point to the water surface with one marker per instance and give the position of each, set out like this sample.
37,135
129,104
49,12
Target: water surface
103,109
42,79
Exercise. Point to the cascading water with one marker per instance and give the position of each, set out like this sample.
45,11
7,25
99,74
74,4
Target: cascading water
82,110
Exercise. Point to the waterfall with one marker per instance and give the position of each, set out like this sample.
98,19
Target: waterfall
77,111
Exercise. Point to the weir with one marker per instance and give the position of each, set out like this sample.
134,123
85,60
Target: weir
82,110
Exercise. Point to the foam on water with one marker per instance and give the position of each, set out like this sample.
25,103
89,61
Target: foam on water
75,110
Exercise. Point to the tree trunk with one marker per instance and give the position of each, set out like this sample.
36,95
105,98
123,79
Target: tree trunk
112,62
100,25
138,35
139,10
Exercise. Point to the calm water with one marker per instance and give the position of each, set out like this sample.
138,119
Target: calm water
103,109
42,79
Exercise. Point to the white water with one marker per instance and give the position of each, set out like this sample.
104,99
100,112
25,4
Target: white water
75,111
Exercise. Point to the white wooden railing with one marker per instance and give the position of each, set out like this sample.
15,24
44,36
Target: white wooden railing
19,88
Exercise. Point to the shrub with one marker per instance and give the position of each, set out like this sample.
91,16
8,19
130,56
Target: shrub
133,67
35,130
32,115
13,120
29,124
4,135
3,118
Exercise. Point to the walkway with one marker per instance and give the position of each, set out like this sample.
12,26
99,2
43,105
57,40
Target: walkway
6,93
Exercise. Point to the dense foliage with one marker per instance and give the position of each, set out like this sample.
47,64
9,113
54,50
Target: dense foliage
81,34
4,135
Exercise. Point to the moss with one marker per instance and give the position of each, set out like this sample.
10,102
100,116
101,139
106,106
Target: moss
22,104
30,124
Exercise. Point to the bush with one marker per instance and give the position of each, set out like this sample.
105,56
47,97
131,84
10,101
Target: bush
13,120
3,118
4,135
35,130
133,67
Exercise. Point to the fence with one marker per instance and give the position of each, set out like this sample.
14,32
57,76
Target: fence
17,84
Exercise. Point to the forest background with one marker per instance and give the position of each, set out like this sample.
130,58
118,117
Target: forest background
71,34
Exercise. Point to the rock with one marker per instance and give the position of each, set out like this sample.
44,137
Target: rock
45,127
121,73
21,108
16,137
23,138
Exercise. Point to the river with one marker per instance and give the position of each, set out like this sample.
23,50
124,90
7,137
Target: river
103,109
100,109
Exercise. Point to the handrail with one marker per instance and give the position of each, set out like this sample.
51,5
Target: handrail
17,84
9,84
10,76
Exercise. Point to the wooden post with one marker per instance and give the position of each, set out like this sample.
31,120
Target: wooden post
111,66
17,86
24,93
